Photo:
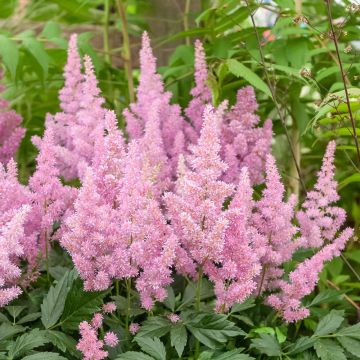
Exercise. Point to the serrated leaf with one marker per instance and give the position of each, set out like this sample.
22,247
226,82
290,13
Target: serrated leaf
301,345
80,305
29,317
154,327
7,330
131,355
10,54
247,304
212,329
178,337
330,323
325,297
44,356
15,311
170,299
233,355
349,344
327,349
267,344
26,342
54,302
37,50
240,70
350,331
154,347
62,341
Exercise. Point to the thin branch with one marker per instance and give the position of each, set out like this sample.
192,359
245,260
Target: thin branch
334,38
272,90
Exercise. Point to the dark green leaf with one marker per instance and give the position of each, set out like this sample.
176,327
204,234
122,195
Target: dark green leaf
325,297
327,349
26,342
80,305
213,329
301,345
15,311
350,345
178,337
7,330
154,347
232,355
170,299
154,327
54,302
44,356
132,355
267,344
62,341
330,323
29,318
350,331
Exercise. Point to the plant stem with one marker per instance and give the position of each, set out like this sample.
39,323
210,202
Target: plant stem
197,305
263,272
106,31
186,20
273,95
128,302
126,50
47,256
334,38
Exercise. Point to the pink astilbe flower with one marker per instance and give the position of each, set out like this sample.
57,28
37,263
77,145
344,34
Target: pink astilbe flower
109,308
89,344
11,133
235,279
62,122
11,233
89,126
109,158
150,90
319,220
195,209
111,339
243,142
97,321
303,280
143,226
134,328
93,239
319,224
50,199
273,219
201,94
174,318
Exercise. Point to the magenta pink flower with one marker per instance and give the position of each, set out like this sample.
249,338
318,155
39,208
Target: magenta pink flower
109,308
89,344
11,232
134,328
174,318
111,339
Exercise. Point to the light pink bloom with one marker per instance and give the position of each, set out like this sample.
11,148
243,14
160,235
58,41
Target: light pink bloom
111,339
134,328
109,308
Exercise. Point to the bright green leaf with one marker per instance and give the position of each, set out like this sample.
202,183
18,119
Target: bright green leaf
10,54
327,349
240,70
330,323
267,344
178,337
154,347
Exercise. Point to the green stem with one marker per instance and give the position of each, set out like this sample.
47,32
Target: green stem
106,31
128,302
197,306
126,50
343,76
186,20
47,257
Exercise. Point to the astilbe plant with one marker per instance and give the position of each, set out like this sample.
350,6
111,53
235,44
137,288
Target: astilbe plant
243,143
11,233
177,196
11,133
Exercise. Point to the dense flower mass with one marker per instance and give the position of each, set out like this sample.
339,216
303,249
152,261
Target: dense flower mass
177,196
11,133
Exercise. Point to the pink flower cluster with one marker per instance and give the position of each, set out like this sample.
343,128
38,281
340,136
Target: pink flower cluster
177,196
89,344
11,133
